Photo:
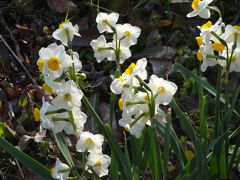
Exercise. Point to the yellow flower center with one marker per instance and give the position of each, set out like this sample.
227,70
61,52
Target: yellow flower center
195,4
127,34
98,164
218,46
62,24
161,89
52,170
54,63
199,55
237,27
105,22
199,40
121,79
36,114
89,142
126,128
40,64
68,97
207,25
120,104
130,69
47,88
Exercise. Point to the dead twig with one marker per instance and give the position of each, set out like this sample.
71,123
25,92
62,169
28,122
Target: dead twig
19,58
19,61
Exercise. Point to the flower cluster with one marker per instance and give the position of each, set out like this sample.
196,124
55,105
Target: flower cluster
139,101
218,43
124,36
64,113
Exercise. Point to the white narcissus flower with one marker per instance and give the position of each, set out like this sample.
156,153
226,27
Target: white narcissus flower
53,60
60,166
47,120
202,54
208,27
163,89
124,52
235,61
200,7
105,21
69,97
79,119
65,32
51,86
229,33
135,128
99,162
128,34
89,142
100,48
127,78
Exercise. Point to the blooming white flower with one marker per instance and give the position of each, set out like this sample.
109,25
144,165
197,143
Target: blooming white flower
127,78
200,7
132,125
163,89
229,32
127,33
202,55
70,96
47,120
60,166
209,27
77,62
89,142
101,49
105,21
79,119
51,86
99,162
124,52
53,60
65,32
235,61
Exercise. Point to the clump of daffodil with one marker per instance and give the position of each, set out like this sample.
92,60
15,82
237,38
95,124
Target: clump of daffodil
139,101
63,113
123,36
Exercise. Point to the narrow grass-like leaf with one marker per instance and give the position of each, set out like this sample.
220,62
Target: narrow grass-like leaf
186,124
166,145
63,148
175,144
205,85
113,168
155,153
26,160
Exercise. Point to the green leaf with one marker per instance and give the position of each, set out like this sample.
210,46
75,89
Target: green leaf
26,160
113,168
185,123
156,166
23,100
205,85
166,145
63,148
